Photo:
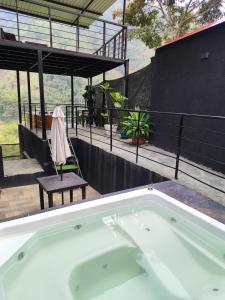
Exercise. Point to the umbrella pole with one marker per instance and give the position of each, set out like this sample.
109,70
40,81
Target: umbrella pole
61,173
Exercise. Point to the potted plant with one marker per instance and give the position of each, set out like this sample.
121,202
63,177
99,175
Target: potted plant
140,132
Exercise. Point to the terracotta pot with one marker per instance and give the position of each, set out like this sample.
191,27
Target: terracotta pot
139,140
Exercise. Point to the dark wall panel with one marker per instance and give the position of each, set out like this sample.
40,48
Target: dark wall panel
139,88
35,147
108,173
183,82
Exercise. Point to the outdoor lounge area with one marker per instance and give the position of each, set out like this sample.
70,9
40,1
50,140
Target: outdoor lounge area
116,190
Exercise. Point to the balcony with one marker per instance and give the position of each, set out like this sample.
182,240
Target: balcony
53,24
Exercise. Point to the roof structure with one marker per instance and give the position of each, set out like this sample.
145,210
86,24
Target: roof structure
65,11
193,32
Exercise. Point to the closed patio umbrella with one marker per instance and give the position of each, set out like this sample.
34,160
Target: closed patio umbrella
59,143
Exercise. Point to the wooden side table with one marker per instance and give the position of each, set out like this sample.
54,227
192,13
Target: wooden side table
54,184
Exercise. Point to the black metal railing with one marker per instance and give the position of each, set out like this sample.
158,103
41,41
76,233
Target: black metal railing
102,37
85,117
31,115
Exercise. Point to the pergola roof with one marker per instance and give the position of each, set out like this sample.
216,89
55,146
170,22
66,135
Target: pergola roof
65,11
23,57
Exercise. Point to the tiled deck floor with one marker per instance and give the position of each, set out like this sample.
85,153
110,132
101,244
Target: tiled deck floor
22,200
103,143
21,167
195,200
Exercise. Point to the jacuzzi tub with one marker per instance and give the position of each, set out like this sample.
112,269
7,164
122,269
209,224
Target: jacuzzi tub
136,245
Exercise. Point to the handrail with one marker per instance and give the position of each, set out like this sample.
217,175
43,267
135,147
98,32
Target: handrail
73,41
179,139
134,110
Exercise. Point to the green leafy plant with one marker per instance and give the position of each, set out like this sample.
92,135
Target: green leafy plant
134,129
105,116
117,98
89,94
156,21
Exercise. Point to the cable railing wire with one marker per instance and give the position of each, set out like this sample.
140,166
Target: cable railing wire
176,157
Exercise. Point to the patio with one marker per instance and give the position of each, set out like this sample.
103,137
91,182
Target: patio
24,200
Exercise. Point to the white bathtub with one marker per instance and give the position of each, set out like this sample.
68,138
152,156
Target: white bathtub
145,230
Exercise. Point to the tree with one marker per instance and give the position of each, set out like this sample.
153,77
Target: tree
157,21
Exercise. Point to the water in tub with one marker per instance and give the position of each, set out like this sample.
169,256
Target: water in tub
129,255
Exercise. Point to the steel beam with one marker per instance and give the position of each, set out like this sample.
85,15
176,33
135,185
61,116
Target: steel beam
72,102
29,100
19,96
42,94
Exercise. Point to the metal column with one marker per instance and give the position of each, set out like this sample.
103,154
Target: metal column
72,102
126,78
17,21
50,27
29,100
42,95
103,94
19,95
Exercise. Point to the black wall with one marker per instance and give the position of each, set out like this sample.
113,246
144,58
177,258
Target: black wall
182,79
35,147
139,88
108,173
184,82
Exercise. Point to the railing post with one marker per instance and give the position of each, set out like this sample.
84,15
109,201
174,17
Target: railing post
125,44
126,77
77,37
104,38
90,120
42,93
67,129
72,102
35,114
17,21
24,114
19,95
111,134
76,120
179,142
29,100
138,133
50,26
114,47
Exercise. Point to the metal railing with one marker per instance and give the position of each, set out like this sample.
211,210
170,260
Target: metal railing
87,115
31,114
102,37
84,119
